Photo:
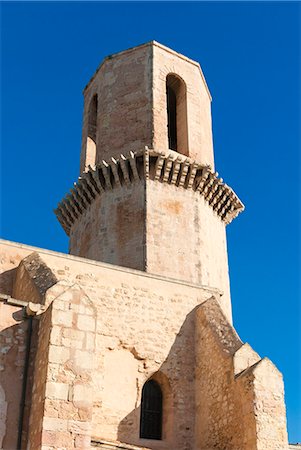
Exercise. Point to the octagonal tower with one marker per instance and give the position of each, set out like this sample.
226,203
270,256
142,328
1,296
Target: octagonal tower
148,197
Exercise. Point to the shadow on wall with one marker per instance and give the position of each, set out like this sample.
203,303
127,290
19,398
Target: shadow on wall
7,281
16,358
13,341
176,378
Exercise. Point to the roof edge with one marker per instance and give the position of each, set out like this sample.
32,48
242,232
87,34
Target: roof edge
148,44
109,266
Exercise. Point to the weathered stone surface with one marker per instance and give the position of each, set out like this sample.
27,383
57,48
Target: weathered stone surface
138,203
146,326
245,411
136,80
33,279
86,336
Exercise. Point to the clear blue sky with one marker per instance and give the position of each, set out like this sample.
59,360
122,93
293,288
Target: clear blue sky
249,54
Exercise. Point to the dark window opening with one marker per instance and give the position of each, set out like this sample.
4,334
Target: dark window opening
177,125
92,120
171,117
151,411
91,133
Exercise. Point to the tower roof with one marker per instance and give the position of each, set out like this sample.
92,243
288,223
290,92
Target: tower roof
150,44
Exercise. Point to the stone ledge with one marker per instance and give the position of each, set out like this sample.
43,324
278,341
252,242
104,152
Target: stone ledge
108,266
116,445
165,167
9,300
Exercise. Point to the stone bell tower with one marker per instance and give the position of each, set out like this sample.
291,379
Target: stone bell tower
148,197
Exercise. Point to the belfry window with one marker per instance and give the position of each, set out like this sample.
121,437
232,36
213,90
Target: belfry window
176,114
171,117
92,129
92,120
151,411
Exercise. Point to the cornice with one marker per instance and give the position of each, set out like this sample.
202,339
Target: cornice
160,166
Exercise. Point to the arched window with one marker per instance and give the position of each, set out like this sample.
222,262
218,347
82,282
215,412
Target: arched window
92,120
92,128
151,411
176,114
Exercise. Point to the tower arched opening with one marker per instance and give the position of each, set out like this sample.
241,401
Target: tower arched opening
92,131
176,100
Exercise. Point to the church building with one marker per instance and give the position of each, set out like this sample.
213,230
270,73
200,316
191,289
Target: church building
127,342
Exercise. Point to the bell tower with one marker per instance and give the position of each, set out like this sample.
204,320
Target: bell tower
148,196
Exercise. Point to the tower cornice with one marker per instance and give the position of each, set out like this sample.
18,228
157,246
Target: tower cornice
159,166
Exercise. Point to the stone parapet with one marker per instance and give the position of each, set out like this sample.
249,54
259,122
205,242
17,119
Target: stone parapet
165,167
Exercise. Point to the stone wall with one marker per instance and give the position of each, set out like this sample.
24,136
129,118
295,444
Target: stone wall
153,331
185,239
107,330
123,86
13,334
156,226
132,107
39,385
162,225
200,145
10,257
113,228
265,407
144,328
62,392
239,396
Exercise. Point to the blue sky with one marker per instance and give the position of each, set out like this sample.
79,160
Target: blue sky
249,53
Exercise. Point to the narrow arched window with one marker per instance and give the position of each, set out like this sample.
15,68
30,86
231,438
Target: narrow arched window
92,119
171,117
151,411
92,129
176,114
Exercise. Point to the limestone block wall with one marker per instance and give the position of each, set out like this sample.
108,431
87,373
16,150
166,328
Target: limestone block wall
200,145
262,405
13,334
108,329
157,227
26,279
10,257
185,239
32,279
132,106
144,328
113,228
38,391
124,117
239,397
62,394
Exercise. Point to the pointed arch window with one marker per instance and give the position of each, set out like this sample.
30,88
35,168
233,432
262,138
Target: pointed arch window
151,411
176,114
